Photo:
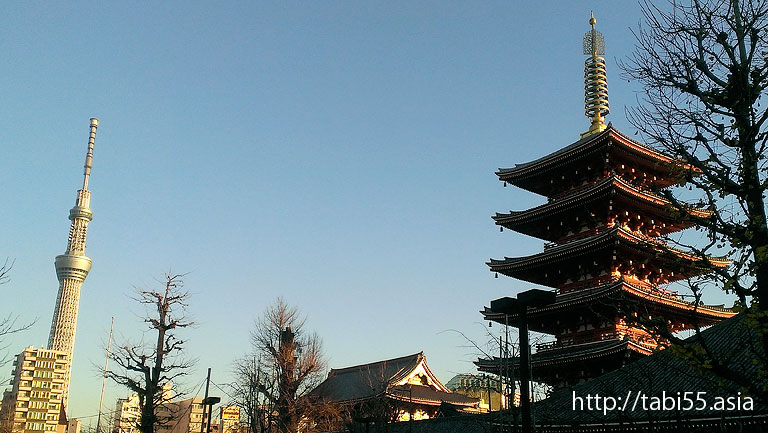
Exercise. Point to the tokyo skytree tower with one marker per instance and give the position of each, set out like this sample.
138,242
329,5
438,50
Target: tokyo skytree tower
72,267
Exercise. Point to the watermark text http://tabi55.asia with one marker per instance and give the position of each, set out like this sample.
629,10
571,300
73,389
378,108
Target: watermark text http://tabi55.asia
674,401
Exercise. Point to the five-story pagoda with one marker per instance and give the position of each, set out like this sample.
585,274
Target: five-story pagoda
602,222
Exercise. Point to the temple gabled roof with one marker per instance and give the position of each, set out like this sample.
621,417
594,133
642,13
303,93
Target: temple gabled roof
420,394
525,175
367,380
406,378
528,221
532,268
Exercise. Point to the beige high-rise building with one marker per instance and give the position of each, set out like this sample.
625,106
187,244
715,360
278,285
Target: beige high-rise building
229,419
172,415
127,414
36,399
184,416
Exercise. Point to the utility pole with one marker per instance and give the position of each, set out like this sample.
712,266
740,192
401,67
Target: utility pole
525,369
104,379
508,363
207,384
501,374
488,385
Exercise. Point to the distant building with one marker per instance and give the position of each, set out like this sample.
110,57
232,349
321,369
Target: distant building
229,419
183,416
484,387
180,416
127,413
397,389
34,404
74,425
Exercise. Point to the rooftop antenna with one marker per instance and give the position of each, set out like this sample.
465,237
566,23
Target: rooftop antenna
89,155
595,80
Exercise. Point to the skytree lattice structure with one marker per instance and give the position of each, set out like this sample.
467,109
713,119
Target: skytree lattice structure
71,269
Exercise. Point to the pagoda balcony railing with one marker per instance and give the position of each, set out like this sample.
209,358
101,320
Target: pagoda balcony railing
637,232
552,345
651,288
574,237
574,188
660,243
669,294
585,284
549,345
641,339
716,308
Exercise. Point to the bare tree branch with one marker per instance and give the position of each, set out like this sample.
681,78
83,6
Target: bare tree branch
703,66
9,324
146,370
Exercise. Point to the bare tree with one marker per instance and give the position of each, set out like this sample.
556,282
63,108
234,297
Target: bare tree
251,378
8,324
6,417
293,362
504,350
145,369
704,68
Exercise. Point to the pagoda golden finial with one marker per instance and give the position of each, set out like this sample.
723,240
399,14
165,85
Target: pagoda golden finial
595,80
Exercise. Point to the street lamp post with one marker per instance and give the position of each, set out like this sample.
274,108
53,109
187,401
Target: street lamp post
210,401
530,298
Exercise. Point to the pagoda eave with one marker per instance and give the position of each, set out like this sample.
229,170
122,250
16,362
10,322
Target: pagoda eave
562,363
542,319
532,268
537,221
533,176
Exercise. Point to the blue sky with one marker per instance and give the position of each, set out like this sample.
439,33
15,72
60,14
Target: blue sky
337,154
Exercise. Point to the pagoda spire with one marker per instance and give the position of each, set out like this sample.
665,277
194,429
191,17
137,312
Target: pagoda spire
595,80
72,267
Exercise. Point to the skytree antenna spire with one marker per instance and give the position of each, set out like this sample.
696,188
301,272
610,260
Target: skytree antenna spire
89,155
595,80
71,269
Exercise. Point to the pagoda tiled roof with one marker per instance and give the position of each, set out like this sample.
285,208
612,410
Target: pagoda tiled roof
567,354
613,236
586,297
605,187
584,146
